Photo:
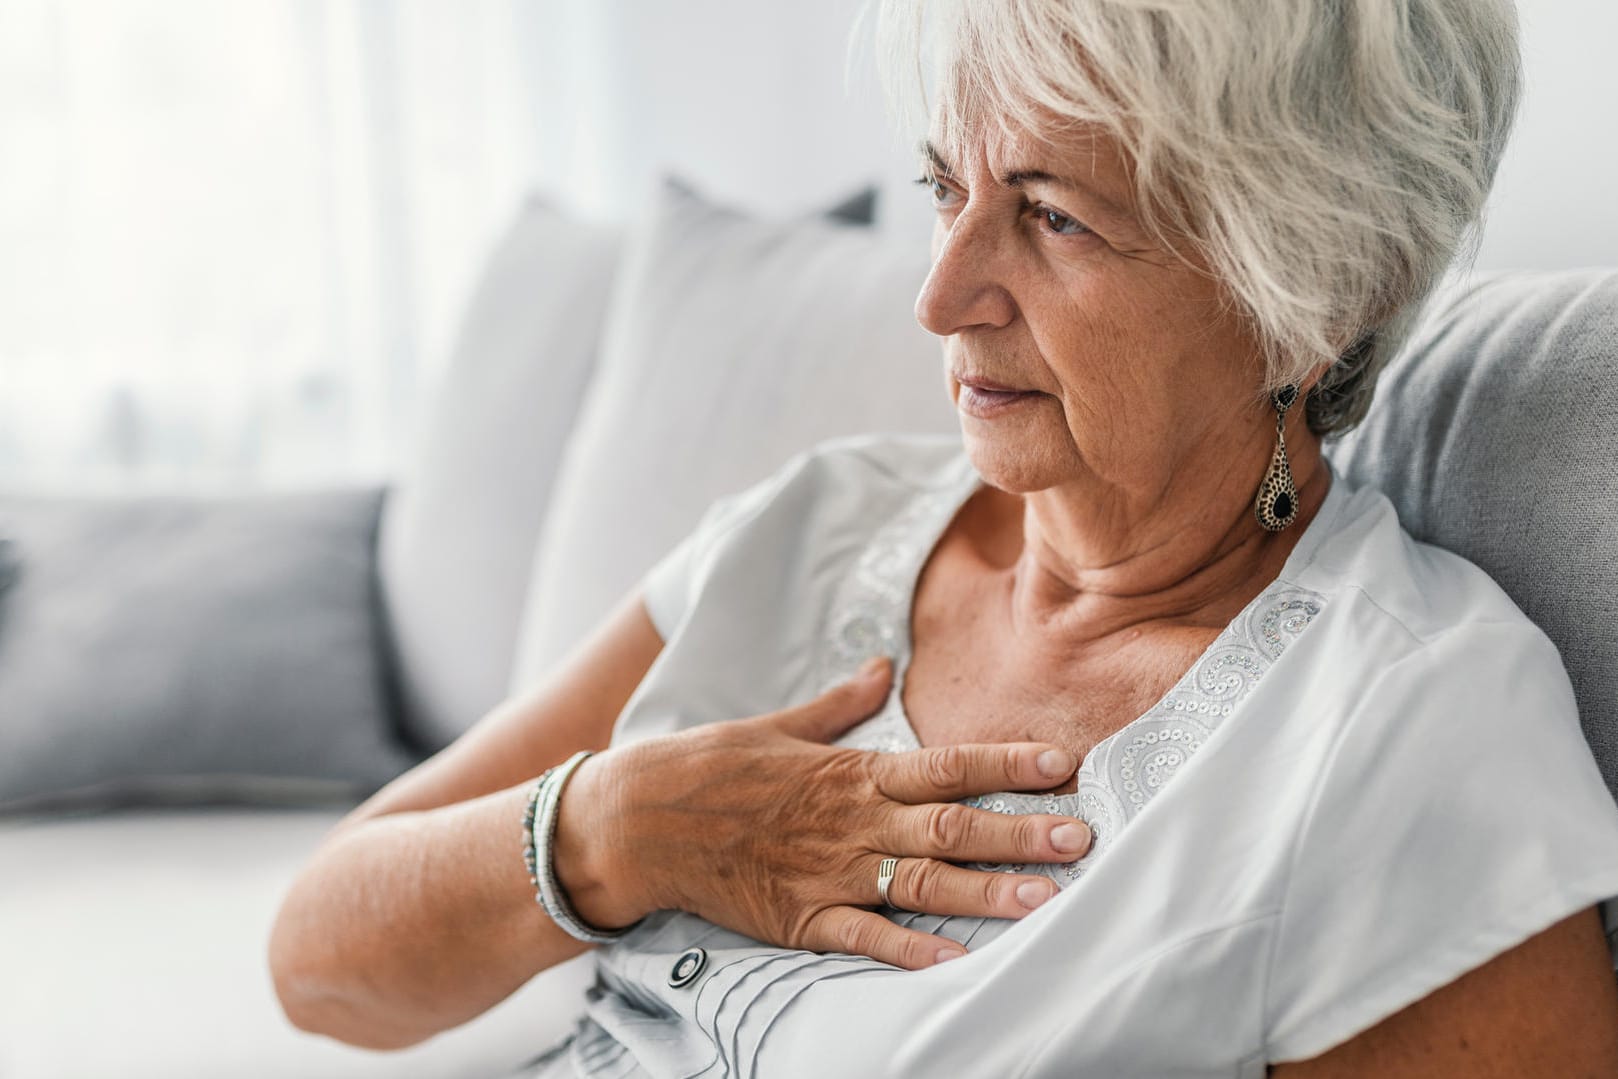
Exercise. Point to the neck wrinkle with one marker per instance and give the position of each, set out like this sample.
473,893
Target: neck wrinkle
1180,578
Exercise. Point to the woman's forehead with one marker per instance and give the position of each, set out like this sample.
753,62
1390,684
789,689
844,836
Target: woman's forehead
1069,150
1015,134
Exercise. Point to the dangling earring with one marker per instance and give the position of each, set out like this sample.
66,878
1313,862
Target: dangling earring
1277,503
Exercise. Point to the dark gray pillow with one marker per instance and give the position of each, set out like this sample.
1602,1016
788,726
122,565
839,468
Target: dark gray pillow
183,650
1495,433
8,566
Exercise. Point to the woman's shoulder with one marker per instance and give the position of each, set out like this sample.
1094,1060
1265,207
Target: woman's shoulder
848,481
779,532
1366,556
1443,802
901,461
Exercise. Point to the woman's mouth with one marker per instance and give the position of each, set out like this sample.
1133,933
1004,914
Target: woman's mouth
986,403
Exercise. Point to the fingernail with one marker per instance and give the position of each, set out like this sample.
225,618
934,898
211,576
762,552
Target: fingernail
1056,763
1070,838
871,667
945,954
1031,893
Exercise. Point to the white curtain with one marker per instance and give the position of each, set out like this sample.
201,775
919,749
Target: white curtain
233,236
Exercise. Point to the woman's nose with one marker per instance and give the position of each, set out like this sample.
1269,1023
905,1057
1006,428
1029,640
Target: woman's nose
964,287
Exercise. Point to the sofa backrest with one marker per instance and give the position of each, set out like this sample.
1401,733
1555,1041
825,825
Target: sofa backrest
1495,434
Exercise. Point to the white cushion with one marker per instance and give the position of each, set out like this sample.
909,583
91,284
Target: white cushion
458,533
731,343
136,945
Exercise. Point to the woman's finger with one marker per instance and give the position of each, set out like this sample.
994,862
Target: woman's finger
959,833
945,773
926,884
864,932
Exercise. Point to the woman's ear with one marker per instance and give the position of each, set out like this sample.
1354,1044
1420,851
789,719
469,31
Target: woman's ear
1349,357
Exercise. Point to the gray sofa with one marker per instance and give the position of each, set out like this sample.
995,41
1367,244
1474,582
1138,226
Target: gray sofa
135,907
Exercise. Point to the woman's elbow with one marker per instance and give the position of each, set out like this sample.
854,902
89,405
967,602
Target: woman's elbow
314,1010
314,1003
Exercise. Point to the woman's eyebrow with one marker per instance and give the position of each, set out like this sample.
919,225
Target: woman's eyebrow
1018,177
926,149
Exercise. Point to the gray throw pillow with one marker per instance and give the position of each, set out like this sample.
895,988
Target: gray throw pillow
180,650
1494,434
8,566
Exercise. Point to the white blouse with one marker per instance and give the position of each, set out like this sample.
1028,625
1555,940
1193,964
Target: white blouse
1373,781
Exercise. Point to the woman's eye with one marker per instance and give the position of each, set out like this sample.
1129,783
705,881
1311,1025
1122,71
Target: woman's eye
1060,224
940,192
1057,223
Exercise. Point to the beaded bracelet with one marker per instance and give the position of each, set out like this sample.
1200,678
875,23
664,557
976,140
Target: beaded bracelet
539,834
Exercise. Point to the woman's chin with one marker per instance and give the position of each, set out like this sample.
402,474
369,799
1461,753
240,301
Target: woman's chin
1012,460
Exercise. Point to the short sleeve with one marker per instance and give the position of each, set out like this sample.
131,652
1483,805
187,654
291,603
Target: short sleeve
1461,813
669,588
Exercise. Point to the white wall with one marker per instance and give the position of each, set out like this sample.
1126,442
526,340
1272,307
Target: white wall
1555,200
747,101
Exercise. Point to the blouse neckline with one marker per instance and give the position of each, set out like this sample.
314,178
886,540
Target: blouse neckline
1122,771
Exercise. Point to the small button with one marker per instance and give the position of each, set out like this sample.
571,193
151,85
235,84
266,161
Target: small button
687,967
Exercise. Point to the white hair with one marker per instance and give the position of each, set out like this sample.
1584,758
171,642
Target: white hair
1327,159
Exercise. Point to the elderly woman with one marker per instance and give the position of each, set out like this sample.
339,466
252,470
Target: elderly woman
1335,815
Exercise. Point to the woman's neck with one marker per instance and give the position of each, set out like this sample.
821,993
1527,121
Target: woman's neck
1078,577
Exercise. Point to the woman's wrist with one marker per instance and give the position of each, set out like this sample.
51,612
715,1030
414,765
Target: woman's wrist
586,848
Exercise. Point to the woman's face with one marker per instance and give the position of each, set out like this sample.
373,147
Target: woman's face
1043,280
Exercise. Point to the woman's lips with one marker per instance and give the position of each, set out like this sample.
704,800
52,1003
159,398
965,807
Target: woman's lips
986,384
984,403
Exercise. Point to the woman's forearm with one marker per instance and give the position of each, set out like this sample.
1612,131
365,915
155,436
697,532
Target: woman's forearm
414,922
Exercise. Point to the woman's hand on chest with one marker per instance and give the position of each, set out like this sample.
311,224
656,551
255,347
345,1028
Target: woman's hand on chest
761,826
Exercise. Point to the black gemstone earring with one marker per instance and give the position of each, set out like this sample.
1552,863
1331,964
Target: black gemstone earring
1277,503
